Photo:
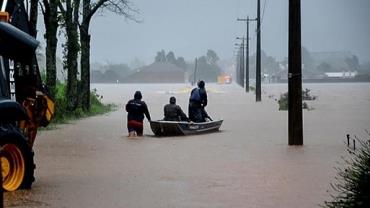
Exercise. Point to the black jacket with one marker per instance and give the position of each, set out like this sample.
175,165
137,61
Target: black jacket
136,110
173,112
198,97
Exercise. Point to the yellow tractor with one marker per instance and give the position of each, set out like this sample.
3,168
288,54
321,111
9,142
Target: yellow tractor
24,101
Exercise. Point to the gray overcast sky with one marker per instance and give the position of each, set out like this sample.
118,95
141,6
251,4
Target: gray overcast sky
190,27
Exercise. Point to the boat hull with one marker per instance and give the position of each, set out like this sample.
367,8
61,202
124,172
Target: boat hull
177,128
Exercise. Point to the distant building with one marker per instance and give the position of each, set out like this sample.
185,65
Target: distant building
282,76
332,66
348,74
157,72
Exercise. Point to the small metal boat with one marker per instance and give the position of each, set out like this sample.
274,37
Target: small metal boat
177,128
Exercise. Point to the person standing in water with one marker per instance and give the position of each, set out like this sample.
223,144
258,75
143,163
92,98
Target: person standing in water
136,109
197,102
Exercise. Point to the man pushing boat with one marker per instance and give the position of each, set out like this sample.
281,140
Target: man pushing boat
136,109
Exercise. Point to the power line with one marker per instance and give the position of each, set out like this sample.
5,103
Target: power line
263,12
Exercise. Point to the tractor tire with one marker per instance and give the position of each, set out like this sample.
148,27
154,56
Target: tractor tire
16,159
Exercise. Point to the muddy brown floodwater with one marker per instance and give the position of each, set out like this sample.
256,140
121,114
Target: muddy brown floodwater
91,162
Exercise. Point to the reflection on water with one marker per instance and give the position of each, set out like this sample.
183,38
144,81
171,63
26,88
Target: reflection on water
247,163
23,198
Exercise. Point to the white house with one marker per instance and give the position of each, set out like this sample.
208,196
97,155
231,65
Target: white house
348,74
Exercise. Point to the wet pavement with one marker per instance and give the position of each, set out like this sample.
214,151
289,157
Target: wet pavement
92,163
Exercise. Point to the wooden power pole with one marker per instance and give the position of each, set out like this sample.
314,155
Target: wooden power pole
237,69
242,64
247,53
258,55
295,120
247,59
195,72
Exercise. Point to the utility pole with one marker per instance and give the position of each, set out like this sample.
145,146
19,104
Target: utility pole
242,69
247,59
242,64
295,120
247,53
247,56
195,71
240,72
237,66
258,54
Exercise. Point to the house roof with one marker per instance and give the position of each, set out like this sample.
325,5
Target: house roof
157,72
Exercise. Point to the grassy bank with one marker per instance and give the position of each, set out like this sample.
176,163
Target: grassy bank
63,115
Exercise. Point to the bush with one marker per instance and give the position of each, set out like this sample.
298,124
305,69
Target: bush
62,115
97,107
353,182
283,101
307,96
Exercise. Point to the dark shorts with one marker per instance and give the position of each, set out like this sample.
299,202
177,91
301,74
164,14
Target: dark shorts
137,126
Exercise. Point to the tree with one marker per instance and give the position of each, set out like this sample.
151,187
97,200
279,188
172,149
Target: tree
87,13
50,12
352,63
365,68
205,70
324,67
180,62
136,63
89,9
307,60
270,65
110,73
33,17
161,56
170,58
70,16
212,57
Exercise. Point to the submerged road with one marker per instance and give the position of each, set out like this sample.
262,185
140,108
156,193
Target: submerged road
92,163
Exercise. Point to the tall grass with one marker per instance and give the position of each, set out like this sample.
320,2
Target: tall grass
352,186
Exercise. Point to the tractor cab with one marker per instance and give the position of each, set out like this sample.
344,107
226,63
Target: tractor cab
24,102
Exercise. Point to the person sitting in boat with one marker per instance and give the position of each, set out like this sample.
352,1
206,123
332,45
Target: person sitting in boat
173,112
136,109
197,102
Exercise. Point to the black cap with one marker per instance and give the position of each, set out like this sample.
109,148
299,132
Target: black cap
138,95
172,100
201,84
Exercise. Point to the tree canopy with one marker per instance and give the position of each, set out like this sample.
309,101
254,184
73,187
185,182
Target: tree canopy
170,58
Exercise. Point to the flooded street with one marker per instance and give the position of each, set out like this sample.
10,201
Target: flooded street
92,163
